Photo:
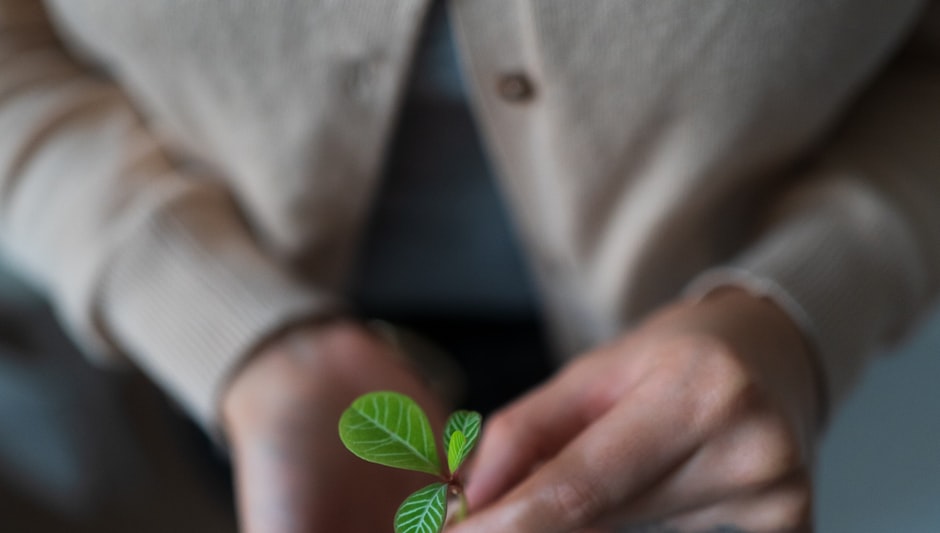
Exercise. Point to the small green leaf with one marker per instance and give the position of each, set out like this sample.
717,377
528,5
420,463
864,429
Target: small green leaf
467,424
390,429
424,511
455,450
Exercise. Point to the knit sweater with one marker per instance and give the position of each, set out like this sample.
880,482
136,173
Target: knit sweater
185,178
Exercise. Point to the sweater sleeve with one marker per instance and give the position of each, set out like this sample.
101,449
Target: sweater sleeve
138,256
852,249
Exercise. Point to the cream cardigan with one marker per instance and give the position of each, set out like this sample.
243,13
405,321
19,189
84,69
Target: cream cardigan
185,177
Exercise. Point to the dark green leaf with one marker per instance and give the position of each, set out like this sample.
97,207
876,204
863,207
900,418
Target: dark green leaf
389,428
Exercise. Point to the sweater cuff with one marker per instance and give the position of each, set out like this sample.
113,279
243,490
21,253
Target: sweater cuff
189,295
844,265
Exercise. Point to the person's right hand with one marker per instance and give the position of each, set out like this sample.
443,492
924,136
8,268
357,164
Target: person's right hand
281,414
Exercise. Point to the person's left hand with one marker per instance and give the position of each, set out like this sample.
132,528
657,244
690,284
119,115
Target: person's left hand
281,414
702,419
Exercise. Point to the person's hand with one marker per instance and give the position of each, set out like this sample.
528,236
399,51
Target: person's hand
701,420
281,413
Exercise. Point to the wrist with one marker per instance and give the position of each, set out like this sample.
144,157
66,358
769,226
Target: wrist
762,324
791,369
299,358
766,341
322,366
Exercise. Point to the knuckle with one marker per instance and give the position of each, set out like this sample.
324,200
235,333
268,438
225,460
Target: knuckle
577,502
770,453
716,386
790,509
506,426
503,426
799,511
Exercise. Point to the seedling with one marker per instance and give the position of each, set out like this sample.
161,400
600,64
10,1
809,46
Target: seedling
390,429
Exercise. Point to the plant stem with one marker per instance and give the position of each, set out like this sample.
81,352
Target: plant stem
464,508
456,488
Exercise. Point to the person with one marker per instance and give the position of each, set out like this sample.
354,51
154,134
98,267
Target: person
726,208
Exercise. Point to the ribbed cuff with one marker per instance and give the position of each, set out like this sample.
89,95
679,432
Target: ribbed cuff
189,295
844,266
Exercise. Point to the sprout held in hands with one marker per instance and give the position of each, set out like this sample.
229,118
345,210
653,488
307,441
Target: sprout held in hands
390,429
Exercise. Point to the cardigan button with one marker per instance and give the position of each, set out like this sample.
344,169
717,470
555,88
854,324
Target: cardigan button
516,87
360,79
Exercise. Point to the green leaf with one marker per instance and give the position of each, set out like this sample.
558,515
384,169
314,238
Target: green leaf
455,448
467,425
390,429
424,511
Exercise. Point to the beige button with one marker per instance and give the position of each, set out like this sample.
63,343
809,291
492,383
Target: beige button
516,87
359,79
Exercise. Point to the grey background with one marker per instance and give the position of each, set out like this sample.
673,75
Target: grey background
880,462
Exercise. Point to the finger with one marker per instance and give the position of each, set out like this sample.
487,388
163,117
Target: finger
756,452
783,508
622,453
526,433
